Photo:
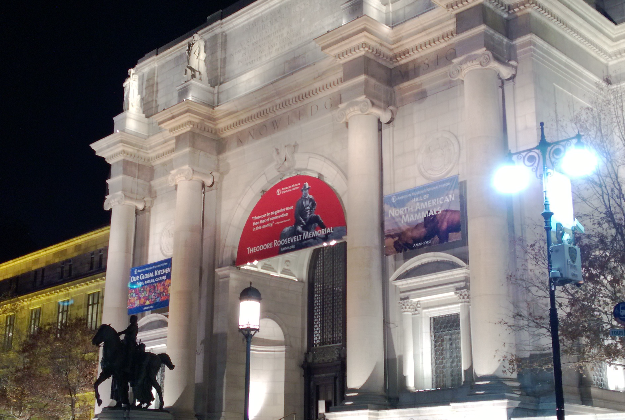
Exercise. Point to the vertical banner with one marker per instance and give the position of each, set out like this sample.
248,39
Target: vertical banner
149,286
423,216
296,213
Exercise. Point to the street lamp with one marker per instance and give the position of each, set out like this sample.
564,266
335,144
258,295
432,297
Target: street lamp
249,324
511,178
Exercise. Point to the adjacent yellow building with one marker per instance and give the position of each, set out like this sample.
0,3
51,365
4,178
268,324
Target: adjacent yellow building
54,284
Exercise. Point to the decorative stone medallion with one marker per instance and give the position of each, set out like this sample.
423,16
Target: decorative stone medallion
167,239
438,156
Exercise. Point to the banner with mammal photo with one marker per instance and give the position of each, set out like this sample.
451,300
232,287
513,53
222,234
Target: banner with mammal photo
423,216
148,288
296,213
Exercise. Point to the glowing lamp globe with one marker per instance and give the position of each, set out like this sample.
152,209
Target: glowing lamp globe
249,309
579,161
511,178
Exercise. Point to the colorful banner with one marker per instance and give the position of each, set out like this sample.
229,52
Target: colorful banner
423,216
296,213
149,286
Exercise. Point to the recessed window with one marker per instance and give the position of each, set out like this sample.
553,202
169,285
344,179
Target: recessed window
34,320
92,262
70,266
62,270
100,259
63,312
93,310
9,329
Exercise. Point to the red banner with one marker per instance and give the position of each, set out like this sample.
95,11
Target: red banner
296,213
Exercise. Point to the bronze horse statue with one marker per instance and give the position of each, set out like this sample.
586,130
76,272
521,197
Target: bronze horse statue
142,375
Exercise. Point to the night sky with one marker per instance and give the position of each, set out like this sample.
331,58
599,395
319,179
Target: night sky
63,65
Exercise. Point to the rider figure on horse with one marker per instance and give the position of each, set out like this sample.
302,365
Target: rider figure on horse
305,217
130,343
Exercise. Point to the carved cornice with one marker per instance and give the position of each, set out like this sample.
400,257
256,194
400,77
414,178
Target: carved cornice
188,116
364,106
463,295
187,173
481,60
407,54
271,111
119,198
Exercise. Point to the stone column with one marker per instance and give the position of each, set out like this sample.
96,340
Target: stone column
184,293
487,215
417,338
119,262
365,344
465,335
407,308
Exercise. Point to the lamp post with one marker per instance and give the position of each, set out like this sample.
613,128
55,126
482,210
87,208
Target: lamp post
511,178
249,324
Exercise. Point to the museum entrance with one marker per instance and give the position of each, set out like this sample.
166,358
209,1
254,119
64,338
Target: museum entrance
324,366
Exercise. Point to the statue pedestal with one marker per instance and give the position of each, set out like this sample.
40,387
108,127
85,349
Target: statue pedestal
131,122
196,91
137,414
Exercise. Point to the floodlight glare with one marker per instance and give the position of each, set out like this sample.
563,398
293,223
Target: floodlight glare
579,161
511,178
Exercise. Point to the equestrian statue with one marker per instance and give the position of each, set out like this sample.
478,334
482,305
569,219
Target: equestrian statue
129,364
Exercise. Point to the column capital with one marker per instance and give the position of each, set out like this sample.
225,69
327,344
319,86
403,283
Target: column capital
186,173
481,59
364,106
464,295
409,307
120,197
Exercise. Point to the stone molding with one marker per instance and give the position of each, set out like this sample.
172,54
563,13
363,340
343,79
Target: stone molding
187,173
364,106
188,116
120,197
482,59
463,295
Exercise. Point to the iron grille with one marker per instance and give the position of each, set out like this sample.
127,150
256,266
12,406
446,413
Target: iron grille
600,375
328,282
446,354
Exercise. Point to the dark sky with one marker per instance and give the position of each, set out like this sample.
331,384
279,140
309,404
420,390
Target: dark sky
62,68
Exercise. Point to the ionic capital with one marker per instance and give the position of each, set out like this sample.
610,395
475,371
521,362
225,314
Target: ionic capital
187,173
463,295
410,307
364,106
118,198
481,60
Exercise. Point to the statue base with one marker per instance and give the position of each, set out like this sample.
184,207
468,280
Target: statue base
196,91
108,413
131,122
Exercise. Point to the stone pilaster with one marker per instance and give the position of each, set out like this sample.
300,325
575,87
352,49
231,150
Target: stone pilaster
487,215
365,344
184,291
417,347
465,334
121,241
407,308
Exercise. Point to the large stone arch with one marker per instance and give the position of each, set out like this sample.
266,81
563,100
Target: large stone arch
305,164
427,258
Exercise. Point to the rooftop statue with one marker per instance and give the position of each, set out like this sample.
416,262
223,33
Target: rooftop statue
132,99
196,59
128,364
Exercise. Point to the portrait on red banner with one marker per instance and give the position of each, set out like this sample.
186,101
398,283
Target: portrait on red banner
296,213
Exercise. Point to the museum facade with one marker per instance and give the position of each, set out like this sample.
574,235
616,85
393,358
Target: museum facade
338,156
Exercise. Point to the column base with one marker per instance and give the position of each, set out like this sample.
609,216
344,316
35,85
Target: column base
358,400
490,386
109,413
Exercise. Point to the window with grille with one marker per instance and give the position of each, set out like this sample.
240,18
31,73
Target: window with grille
9,329
34,320
446,354
93,310
599,373
63,313
328,295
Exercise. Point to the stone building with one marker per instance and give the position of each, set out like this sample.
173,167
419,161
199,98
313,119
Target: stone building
51,285
365,103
